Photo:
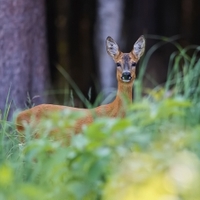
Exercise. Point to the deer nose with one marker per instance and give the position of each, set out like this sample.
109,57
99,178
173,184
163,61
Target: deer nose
126,76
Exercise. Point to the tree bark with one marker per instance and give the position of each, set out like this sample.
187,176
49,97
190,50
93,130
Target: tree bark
80,46
109,23
23,52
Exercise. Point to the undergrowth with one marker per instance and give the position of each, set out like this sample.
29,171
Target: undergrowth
153,153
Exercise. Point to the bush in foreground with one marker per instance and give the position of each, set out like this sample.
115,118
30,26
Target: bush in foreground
153,153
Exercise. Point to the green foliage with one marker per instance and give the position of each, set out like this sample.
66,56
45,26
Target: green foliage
153,153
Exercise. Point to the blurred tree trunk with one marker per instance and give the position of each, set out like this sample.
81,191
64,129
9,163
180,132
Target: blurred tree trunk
139,18
108,23
152,18
80,46
57,29
23,52
196,22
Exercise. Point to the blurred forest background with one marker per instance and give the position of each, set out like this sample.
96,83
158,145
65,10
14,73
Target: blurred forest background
37,37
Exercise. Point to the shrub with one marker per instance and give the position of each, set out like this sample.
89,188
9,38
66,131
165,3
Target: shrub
153,153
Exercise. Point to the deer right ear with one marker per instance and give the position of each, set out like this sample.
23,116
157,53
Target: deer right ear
112,47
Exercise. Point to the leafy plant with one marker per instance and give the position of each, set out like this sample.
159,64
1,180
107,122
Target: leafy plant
153,153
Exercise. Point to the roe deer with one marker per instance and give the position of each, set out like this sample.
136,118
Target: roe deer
126,66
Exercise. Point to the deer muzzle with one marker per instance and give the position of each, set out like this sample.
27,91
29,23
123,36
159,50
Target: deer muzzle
126,76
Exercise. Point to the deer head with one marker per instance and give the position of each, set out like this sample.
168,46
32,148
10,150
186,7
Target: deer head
126,62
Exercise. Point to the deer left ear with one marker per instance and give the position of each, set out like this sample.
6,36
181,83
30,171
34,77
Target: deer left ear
112,47
139,47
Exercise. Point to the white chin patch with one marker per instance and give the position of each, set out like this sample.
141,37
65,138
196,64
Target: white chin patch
126,81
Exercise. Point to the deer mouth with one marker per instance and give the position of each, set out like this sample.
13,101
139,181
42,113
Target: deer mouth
126,81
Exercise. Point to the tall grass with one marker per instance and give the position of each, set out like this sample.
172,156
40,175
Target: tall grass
153,153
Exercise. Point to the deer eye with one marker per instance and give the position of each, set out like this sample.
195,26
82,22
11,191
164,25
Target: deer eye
118,65
133,64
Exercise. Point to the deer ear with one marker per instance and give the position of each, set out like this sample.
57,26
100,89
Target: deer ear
139,47
112,47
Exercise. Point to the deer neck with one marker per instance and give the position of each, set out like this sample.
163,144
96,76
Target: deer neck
124,93
123,98
118,106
